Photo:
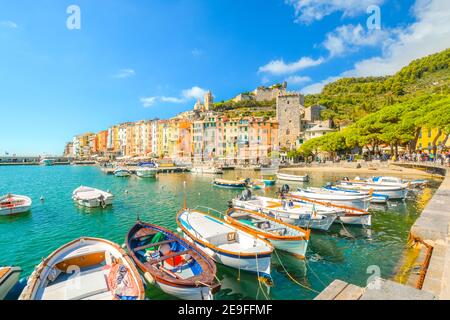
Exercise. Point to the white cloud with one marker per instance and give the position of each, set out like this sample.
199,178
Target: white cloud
186,95
318,86
8,24
194,93
148,101
297,79
171,99
196,52
279,67
349,38
125,73
429,34
308,11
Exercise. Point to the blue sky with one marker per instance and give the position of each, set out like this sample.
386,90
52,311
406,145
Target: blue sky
135,60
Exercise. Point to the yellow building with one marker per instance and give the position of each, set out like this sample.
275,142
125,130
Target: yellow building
428,136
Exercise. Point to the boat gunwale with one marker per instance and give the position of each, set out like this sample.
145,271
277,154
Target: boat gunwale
29,291
215,249
180,283
267,235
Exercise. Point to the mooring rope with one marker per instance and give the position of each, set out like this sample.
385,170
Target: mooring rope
259,281
291,277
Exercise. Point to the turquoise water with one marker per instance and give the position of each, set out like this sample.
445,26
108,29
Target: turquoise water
343,253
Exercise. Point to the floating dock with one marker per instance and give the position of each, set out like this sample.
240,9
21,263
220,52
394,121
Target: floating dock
110,171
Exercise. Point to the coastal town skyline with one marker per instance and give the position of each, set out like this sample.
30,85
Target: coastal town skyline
89,79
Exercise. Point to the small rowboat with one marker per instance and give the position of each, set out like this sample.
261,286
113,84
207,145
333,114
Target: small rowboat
281,235
291,177
173,264
206,170
269,181
376,198
92,198
85,269
257,184
236,184
357,200
9,276
304,215
122,173
347,215
393,192
14,204
225,243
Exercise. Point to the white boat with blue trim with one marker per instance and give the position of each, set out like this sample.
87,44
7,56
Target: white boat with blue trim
122,172
225,243
9,276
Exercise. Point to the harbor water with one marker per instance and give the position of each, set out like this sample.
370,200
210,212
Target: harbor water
352,254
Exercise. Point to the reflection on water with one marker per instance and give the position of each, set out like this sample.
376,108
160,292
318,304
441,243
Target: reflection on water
344,252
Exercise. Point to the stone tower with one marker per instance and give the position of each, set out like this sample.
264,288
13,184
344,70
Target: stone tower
290,110
208,101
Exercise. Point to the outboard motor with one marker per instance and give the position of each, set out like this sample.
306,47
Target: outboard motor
285,189
230,204
246,195
247,181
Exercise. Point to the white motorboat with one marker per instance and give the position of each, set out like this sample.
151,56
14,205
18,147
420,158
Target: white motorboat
92,197
122,172
11,204
357,200
291,177
304,215
206,170
102,269
47,162
9,276
281,235
146,172
225,243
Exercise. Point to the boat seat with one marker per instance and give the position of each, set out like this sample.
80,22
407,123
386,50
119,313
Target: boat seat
275,229
151,245
144,233
82,286
166,257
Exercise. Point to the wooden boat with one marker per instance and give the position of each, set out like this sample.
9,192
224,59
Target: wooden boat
347,214
92,197
9,276
172,263
291,177
393,192
206,170
376,198
85,269
357,200
225,243
11,204
281,235
270,181
304,215
257,184
122,172
237,184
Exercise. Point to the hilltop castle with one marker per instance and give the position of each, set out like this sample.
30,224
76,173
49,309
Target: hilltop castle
263,93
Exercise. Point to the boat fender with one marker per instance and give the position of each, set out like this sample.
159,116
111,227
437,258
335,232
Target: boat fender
149,278
42,198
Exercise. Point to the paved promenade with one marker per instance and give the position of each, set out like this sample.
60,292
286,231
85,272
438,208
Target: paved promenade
432,229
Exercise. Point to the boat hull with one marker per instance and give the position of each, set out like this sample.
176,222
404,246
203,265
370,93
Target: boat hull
146,173
199,293
294,178
122,174
320,222
8,209
259,265
8,280
362,203
296,247
392,193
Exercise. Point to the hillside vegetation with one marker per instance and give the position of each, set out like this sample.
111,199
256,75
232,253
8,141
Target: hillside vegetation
350,99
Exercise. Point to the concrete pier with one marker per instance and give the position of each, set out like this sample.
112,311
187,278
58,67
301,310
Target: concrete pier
110,171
